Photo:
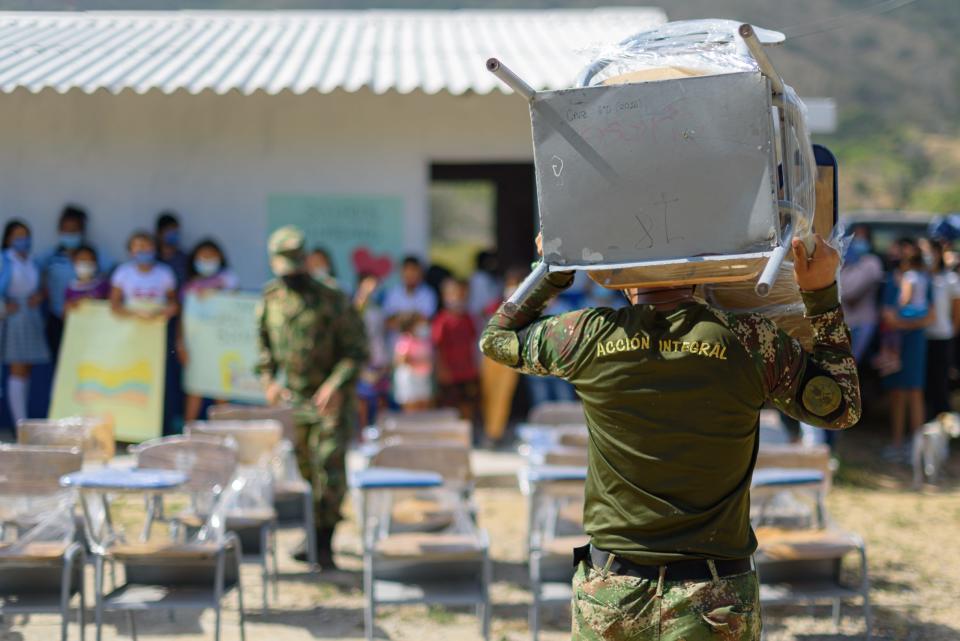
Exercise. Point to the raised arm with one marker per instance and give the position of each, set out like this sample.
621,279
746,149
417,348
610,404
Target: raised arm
820,387
518,337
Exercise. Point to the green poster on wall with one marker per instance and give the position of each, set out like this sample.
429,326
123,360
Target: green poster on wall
360,232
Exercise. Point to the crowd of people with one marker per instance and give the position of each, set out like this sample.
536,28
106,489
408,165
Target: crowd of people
903,310
422,331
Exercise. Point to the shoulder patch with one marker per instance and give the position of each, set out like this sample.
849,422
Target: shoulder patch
822,395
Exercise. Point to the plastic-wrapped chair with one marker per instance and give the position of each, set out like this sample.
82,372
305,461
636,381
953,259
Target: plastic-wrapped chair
292,494
234,412
171,540
41,563
447,567
94,436
457,432
418,417
557,413
249,514
800,551
556,495
413,512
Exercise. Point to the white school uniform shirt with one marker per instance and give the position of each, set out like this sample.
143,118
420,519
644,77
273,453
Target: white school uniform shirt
144,290
24,276
946,289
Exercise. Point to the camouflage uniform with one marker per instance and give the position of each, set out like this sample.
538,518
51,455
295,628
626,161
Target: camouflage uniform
672,401
310,335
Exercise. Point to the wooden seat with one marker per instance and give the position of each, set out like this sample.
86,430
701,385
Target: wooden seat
288,488
163,550
556,413
420,514
776,544
30,552
433,547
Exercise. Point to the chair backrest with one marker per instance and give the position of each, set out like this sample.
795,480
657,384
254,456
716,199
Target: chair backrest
208,463
233,412
458,432
256,440
438,414
30,470
93,436
452,462
556,413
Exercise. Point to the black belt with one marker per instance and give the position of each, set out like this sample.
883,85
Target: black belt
689,570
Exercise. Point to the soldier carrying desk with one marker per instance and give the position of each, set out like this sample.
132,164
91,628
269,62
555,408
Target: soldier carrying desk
672,389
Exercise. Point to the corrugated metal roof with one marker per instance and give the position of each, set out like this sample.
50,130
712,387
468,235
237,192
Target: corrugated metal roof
323,51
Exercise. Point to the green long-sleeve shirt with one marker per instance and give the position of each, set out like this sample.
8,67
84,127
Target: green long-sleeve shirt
672,402
310,335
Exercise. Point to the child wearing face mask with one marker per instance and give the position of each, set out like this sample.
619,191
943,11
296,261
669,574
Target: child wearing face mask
207,272
143,287
413,363
24,343
88,284
455,336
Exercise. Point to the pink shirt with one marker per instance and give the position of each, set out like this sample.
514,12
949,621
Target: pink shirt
416,351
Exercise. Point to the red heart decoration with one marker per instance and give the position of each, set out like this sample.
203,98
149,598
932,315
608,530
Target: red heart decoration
366,262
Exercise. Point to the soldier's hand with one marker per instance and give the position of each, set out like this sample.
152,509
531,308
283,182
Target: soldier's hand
539,242
276,394
327,399
818,271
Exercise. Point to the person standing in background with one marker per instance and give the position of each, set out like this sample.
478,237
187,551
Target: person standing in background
58,273
454,335
373,386
413,363
412,294
485,287
143,287
207,272
168,246
320,266
89,283
859,280
24,341
907,311
311,347
940,335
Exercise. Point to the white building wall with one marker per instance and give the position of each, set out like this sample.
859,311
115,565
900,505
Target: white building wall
216,159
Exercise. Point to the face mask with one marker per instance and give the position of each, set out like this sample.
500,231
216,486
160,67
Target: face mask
70,240
144,258
456,306
172,237
207,267
85,269
422,331
21,245
320,275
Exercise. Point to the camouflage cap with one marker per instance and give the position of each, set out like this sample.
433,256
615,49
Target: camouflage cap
285,246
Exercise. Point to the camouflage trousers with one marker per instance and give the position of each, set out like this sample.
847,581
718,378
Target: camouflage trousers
321,447
611,607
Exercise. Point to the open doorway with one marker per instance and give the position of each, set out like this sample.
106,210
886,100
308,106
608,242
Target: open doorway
482,206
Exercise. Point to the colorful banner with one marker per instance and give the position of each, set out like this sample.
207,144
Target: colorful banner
220,332
354,229
113,367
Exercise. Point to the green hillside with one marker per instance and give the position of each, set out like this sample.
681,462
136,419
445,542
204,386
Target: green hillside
895,75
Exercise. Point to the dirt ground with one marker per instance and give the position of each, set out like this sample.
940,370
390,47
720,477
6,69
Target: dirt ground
912,542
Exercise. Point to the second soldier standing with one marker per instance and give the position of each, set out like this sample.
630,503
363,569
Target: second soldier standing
311,345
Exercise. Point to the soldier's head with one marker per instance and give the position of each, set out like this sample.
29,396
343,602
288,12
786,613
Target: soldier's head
659,295
286,251
411,272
